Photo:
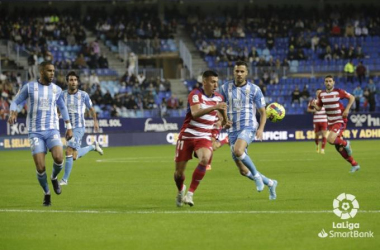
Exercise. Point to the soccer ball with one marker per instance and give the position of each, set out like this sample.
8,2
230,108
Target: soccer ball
275,112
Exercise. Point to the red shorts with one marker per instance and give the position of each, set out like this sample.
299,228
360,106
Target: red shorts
338,128
185,148
319,126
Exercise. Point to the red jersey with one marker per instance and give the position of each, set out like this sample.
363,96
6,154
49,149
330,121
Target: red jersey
201,127
318,116
333,107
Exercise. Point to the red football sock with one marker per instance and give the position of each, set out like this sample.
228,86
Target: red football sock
344,154
316,141
340,141
324,142
179,180
198,175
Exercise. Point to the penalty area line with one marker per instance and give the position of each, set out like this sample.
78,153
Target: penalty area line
172,212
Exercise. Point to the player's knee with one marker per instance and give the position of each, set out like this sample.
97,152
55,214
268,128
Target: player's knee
238,152
41,169
58,159
204,160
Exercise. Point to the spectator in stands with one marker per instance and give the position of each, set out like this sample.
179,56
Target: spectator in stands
173,102
270,41
292,54
314,42
253,55
359,53
32,66
4,108
351,53
95,47
274,79
131,63
296,95
94,79
349,70
366,98
266,77
349,32
300,55
103,62
93,61
328,53
263,87
305,94
336,52
371,97
163,108
80,62
130,102
141,78
360,72
358,94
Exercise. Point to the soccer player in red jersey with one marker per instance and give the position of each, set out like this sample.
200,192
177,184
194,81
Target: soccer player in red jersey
336,118
319,123
196,133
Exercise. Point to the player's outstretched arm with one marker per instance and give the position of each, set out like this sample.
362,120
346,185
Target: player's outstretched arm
21,96
263,120
65,116
93,115
197,111
346,111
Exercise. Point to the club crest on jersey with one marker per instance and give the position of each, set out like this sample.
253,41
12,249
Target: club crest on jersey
195,98
36,89
54,91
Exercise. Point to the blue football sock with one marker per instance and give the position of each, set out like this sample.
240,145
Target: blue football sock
56,170
68,167
248,163
249,175
266,180
85,150
42,179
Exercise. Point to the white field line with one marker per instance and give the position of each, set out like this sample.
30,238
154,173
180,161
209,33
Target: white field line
172,212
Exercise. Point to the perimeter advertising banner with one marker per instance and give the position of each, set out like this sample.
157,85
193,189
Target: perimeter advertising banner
159,131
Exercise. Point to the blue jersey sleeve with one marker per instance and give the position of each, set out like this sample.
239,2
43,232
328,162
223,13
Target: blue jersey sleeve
62,107
259,99
87,101
20,97
222,92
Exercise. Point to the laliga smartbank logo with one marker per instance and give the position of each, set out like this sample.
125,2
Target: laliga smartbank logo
345,207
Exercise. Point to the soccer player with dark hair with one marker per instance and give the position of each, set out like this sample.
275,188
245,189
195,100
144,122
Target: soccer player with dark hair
195,135
43,97
319,123
243,98
336,116
76,102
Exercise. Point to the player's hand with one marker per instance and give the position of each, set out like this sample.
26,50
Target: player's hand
259,134
69,134
12,117
96,126
345,113
221,106
227,124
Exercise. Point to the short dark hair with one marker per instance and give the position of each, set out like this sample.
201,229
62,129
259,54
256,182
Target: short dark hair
209,73
44,64
241,63
329,76
71,73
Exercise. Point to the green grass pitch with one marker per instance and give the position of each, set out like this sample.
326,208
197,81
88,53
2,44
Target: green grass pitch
126,200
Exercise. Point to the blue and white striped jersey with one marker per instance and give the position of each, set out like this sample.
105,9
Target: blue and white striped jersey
76,106
242,104
42,102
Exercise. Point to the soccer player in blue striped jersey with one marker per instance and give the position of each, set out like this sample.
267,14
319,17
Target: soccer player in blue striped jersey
243,98
76,102
43,97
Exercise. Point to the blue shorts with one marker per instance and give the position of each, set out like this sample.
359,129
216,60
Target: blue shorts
247,135
43,140
76,141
